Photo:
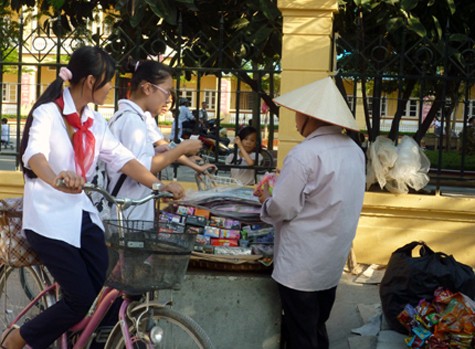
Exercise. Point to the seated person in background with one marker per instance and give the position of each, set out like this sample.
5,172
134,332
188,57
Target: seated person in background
5,132
437,126
186,119
244,155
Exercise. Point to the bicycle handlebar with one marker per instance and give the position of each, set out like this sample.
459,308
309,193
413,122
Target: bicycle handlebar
125,203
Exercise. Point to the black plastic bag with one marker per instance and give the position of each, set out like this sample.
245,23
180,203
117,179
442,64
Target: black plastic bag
409,279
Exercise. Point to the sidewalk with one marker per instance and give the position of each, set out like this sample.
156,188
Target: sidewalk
358,309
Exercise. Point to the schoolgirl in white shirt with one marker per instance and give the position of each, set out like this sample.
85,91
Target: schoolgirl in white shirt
63,139
151,87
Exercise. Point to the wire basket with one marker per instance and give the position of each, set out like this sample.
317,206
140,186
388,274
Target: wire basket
143,259
206,181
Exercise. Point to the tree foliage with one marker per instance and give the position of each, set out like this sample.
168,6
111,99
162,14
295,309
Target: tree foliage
251,31
8,33
397,41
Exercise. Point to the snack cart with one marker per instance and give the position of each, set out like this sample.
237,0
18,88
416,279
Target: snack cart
228,288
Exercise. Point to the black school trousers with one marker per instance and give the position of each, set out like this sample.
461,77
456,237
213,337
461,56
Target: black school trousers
304,317
80,272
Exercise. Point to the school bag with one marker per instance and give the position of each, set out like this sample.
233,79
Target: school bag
102,179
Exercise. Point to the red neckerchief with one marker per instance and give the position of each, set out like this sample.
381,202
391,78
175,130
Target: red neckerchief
83,139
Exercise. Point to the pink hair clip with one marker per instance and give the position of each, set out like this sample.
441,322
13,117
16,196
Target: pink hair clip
65,74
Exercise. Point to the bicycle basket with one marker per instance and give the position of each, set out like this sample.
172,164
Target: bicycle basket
142,259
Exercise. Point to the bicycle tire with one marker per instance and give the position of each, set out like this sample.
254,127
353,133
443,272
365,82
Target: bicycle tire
266,160
13,302
180,331
30,290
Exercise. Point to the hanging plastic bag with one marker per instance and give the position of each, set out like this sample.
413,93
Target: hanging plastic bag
397,168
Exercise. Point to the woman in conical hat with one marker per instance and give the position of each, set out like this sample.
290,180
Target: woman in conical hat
314,206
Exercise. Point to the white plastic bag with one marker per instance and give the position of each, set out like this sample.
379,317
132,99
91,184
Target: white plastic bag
397,168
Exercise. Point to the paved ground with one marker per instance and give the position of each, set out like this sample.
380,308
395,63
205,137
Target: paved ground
358,304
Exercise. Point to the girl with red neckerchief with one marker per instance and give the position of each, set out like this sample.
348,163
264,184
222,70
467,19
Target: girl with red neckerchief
63,139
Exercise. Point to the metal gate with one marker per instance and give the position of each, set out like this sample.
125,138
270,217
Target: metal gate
32,56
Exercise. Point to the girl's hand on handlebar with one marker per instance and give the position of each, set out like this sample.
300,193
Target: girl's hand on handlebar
69,182
176,189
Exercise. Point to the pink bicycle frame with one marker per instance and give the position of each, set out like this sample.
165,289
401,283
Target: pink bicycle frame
90,322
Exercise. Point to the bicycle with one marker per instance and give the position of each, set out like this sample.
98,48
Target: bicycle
136,250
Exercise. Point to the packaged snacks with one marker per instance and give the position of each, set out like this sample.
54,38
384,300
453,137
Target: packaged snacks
447,322
269,179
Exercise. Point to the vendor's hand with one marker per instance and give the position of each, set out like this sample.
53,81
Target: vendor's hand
175,189
69,182
263,193
191,146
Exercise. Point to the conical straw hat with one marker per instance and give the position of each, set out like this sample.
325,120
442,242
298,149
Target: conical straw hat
322,100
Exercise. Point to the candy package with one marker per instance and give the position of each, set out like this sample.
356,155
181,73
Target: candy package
269,178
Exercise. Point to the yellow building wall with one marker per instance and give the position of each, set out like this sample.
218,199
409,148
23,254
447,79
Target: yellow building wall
306,54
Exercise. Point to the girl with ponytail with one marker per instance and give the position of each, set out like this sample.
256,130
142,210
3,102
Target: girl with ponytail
62,141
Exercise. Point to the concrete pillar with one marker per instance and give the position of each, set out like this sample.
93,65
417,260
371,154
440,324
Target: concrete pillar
306,55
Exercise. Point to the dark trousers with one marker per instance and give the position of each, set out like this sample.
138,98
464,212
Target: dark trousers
305,315
81,274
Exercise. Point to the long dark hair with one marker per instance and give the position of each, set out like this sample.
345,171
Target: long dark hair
145,70
85,61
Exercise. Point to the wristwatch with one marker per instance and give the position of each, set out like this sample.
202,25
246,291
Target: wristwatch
158,186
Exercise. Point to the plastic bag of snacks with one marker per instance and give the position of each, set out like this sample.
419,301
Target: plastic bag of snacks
447,322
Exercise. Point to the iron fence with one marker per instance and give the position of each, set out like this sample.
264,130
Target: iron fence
404,84
33,57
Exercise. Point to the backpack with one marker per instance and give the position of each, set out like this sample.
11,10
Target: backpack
101,179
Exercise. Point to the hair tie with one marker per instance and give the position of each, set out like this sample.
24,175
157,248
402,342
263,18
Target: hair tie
65,74
137,66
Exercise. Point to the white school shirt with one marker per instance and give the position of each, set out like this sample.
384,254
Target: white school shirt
315,207
154,133
5,132
130,127
245,175
50,212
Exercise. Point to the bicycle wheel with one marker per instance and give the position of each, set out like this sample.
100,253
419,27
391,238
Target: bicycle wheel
266,159
18,286
29,285
167,327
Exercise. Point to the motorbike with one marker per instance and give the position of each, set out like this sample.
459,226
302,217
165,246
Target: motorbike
216,143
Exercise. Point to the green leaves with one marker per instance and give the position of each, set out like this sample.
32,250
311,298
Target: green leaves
415,25
408,5
165,9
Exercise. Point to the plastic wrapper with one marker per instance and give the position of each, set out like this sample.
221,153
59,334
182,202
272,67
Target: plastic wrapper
447,322
397,168
269,178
